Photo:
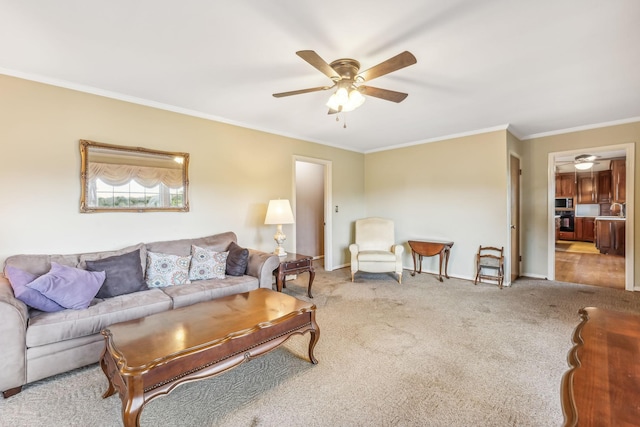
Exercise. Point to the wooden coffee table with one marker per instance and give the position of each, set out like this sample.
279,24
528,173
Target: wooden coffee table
149,357
602,388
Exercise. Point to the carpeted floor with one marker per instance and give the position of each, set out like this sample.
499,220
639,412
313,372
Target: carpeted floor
423,353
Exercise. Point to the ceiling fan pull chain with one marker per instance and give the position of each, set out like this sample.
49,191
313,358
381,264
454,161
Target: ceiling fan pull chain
344,119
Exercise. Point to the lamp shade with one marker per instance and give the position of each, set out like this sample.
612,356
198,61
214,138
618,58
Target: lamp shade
279,212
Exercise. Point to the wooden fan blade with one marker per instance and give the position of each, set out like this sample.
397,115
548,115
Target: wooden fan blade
320,64
399,61
301,91
386,94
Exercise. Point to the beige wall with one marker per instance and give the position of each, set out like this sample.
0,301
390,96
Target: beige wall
233,173
536,185
454,190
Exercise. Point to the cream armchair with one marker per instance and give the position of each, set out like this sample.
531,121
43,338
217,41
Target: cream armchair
375,250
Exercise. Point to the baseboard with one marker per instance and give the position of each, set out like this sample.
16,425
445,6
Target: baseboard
534,276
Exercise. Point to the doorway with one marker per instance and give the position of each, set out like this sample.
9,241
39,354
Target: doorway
579,261
514,212
312,207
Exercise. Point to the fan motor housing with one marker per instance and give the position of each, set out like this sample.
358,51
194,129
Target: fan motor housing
347,68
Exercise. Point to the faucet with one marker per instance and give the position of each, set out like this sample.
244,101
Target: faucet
621,213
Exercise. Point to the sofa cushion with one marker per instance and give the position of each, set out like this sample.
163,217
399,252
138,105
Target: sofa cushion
206,290
237,260
167,270
40,264
19,279
207,264
68,286
217,242
93,256
123,274
377,256
47,328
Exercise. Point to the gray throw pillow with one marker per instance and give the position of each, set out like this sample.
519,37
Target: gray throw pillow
124,274
237,260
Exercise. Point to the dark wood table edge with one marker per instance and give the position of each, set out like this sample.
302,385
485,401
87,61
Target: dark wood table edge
111,361
569,409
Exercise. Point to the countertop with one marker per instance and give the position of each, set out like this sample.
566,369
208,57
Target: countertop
610,218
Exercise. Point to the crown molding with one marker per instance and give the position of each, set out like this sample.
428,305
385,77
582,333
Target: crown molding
581,128
441,138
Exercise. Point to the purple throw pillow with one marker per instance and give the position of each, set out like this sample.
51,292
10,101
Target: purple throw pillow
19,280
70,287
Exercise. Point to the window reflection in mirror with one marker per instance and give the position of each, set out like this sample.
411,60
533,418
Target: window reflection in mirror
132,179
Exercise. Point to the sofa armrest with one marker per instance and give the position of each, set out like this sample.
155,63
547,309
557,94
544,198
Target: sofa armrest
14,316
261,265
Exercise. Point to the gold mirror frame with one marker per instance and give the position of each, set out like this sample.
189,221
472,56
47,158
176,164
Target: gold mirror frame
132,158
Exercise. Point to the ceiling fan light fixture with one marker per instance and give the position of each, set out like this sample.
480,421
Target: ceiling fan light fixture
583,166
345,100
584,161
342,96
333,103
356,98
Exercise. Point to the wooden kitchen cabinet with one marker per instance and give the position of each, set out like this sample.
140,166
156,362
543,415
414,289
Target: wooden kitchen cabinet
587,188
610,237
604,186
566,235
618,180
565,185
589,230
585,229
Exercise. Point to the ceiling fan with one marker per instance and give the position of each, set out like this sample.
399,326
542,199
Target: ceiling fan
348,80
582,161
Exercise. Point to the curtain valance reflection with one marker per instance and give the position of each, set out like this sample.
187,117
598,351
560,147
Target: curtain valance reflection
146,176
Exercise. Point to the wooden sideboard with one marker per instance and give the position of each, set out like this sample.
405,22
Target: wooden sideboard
602,388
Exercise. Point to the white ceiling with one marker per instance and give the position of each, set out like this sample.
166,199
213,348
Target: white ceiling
539,66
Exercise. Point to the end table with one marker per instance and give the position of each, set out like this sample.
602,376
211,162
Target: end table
294,264
428,248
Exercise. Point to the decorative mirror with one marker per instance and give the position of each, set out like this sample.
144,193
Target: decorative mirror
132,179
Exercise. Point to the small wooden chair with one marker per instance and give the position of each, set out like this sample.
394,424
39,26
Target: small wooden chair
490,264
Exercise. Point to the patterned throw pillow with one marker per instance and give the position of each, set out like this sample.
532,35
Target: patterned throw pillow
207,264
167,270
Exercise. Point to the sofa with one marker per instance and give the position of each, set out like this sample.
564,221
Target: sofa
37,344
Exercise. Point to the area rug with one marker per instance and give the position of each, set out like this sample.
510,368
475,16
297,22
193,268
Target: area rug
576,247
420,353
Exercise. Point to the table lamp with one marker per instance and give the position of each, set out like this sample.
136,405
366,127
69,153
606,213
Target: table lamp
279,212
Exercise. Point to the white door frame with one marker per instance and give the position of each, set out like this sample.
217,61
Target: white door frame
629,225
328,217
510,222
